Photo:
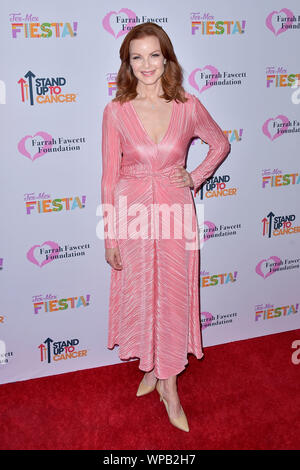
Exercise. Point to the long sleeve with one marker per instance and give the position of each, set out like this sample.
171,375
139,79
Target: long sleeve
111,160
209,131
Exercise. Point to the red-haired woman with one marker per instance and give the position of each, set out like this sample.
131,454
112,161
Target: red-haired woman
154,312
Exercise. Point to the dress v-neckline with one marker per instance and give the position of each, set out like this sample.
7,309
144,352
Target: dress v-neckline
144,129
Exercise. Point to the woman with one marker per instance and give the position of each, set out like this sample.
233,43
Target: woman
154,290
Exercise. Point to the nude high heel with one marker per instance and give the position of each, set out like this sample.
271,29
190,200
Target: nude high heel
144,388
181,422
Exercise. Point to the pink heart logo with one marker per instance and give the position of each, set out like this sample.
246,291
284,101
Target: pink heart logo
211,230
47,145
289,15
265,127
31,257
193,82
106,21
262,270
208,319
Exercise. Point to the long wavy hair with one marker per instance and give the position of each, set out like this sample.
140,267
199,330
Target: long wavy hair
172,77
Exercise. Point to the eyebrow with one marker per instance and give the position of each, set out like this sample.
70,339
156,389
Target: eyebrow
135,53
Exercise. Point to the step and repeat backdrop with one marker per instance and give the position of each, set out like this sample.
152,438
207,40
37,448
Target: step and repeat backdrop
59,63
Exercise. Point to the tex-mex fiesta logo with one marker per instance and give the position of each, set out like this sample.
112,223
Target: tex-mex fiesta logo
44,90
52,303
279,77
268,311
43,203
277,178
118,23
281,21
201,79
41,143
29,26
204,24
60,350
219,279
111,79
278,225
40,255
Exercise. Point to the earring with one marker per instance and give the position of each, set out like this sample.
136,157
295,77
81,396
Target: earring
165,61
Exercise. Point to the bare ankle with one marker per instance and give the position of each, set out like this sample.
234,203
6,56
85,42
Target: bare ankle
169,385
150,373
150,377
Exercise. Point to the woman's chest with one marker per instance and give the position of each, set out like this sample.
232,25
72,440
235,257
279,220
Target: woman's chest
175,128
154,120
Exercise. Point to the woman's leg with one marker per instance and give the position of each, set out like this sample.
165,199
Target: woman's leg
168,388
149,378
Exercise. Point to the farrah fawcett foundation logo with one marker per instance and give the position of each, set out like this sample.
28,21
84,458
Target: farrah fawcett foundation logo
118,23
42,143
40,255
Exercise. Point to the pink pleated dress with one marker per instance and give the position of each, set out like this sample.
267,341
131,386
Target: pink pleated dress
154,308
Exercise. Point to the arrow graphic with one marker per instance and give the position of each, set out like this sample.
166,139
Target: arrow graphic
30,76
265,225
48,341
42,347
270,215
22,81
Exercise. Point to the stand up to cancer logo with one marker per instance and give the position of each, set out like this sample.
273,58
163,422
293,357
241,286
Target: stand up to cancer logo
60,350
44,90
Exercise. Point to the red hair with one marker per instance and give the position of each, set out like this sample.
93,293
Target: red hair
172,77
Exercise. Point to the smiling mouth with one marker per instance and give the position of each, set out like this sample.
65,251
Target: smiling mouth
148,73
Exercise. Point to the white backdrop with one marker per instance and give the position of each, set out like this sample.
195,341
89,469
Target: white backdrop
59,63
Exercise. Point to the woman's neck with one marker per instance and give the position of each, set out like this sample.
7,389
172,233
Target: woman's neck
149,92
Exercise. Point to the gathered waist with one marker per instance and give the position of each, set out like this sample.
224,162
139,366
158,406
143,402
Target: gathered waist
134,172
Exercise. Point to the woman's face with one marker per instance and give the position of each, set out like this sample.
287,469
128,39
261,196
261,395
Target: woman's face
146,59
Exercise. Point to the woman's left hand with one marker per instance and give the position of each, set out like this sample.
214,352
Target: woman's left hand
181,177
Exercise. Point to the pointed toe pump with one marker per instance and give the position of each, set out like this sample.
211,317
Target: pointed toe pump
144,389
181,422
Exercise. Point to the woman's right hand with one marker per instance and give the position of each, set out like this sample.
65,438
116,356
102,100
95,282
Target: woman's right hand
113,257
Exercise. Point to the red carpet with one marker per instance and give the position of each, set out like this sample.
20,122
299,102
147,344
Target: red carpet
241,395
